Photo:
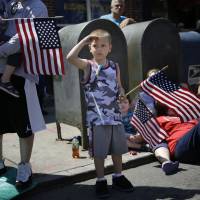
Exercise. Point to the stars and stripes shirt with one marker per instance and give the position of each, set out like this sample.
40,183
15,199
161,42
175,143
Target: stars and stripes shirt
147,126
181,100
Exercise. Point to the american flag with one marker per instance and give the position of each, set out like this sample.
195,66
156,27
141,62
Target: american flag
145,123
179,99
40,44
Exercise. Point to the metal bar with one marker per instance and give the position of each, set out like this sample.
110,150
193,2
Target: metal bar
56,17
59,131
88,8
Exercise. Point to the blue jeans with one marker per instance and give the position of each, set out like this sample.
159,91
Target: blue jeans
188,147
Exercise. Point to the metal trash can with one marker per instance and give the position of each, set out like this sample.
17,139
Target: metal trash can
190,59
152,44
69,98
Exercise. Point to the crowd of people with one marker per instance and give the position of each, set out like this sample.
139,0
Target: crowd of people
108,116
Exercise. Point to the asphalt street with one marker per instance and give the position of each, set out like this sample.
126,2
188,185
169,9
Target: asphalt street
149,181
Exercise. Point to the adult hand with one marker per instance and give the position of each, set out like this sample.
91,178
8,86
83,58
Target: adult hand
127,22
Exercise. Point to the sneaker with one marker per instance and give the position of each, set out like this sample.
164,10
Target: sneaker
170,167
102,189
2,167
121,183
24,175
9,88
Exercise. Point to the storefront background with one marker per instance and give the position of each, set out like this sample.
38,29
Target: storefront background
76,11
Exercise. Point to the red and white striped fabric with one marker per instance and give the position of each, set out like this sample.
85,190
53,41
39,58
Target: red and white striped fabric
145,123
40,46
181,100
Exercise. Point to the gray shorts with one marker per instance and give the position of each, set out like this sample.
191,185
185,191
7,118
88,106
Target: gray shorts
108,140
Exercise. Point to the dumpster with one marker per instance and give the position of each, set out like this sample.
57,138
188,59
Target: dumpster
190,60
152,44
69,98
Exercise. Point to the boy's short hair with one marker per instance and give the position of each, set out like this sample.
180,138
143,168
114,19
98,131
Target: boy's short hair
102,33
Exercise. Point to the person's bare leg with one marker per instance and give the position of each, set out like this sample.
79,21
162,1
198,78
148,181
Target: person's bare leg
9,70
24,172
99,166
101,182
117,162
26,146
162,154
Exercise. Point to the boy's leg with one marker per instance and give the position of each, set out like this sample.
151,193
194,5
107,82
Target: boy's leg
9,70
100,143
120,182
117,162
101,183
163,156
99,166
119,147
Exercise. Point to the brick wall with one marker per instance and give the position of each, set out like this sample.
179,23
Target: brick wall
51,6
131,10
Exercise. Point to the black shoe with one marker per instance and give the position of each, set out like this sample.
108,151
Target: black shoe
102,189
2,167
9,89
170,167
121,183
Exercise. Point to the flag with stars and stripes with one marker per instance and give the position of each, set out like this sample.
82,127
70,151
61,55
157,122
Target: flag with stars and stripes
145,123
40,44
181,100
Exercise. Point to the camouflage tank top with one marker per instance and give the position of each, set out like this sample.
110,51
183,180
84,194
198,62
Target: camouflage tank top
101,93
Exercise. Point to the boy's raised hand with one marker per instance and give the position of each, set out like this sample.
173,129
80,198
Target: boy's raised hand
88,39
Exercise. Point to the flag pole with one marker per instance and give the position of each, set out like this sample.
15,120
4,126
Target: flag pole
56,17
138,86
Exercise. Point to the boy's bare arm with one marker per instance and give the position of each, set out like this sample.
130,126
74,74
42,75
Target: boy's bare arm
121,89
73,56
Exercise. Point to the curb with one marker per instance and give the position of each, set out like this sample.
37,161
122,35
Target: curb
83,173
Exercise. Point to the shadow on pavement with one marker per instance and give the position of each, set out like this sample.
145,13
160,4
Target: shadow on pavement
86,192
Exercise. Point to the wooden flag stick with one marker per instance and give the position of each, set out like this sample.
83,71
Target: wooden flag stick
138,86
56,17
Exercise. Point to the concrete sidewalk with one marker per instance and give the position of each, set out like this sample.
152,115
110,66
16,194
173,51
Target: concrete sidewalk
52,160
